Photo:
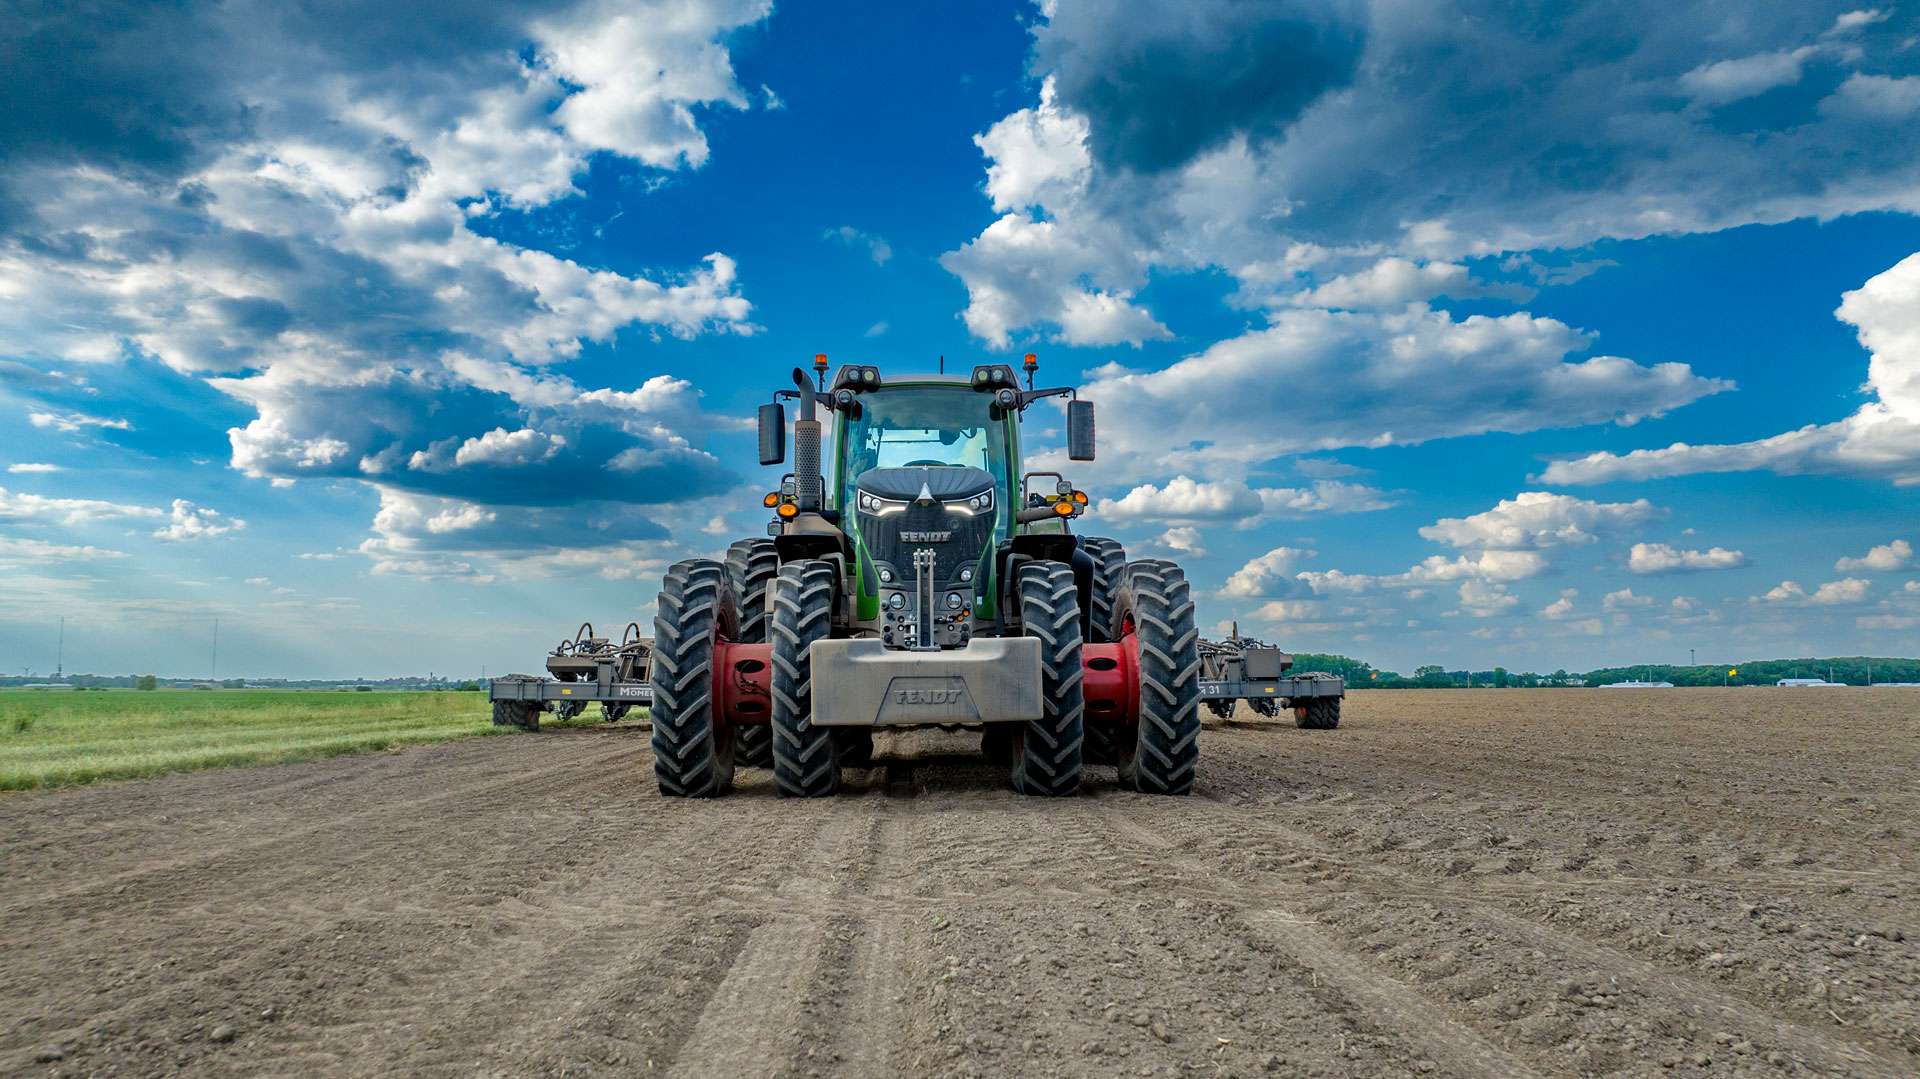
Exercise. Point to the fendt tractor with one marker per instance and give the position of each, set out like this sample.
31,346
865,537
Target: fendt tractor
915,575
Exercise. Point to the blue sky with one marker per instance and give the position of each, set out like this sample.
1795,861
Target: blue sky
1460,333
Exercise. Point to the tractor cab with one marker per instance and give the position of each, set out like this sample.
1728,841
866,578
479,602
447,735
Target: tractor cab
917,489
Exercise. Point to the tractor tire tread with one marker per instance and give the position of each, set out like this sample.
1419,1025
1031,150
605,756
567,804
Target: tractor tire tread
1047,756
692,754
1165,753
806,758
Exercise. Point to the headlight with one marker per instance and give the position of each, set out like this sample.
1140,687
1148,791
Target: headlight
897,600
954,601
966,573
886,575
877,505
979,503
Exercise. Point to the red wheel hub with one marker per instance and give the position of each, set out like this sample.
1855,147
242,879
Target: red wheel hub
1112,682
742,683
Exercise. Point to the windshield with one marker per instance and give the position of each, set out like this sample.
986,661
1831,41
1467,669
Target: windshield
925,425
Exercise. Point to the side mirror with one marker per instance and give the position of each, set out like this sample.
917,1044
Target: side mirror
773,433
1080,430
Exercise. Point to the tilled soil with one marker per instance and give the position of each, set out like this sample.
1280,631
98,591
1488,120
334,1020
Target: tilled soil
1454,883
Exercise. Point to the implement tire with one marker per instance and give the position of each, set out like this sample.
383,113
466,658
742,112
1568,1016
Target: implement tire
692,744
1318,714
1046,753
522,714
806,758
1161,754
1109,565
751,567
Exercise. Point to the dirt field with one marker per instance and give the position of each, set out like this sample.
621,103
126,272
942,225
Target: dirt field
1454,883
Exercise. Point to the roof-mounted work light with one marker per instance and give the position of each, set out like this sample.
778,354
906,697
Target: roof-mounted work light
858,378
992,376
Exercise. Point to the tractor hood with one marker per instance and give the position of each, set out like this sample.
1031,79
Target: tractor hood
944,484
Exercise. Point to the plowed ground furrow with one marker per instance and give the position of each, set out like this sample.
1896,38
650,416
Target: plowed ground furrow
1119,987
1467,831
128,821
1449,937
372,831
614,999
217,959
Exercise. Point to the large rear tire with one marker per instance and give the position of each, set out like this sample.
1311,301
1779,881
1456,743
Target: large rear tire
806,758
692,744
1318,714
1161,753
1047,752
1109,566
752,565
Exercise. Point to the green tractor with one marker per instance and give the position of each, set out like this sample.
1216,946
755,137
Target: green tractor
916,575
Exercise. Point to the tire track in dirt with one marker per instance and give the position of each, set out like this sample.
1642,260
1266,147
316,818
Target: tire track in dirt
752,1024
1388,1003
492,947
1386,1000
1676,993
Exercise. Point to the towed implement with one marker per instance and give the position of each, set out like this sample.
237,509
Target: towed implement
914,575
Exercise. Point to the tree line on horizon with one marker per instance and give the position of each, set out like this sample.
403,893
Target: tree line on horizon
1852,670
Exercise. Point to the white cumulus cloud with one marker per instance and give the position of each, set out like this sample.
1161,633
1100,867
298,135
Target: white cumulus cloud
1832,593
1665,558
190,522
1267,575
1880,439
1883,557
1541,519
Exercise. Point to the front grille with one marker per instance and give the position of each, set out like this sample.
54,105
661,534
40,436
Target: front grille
969,536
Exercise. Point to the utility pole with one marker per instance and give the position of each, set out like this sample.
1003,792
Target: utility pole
60,654
1689,657
214,675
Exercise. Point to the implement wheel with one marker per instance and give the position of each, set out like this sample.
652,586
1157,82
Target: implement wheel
751,568
522,714
806,758
1046,752
1318,714
1160,754
692,744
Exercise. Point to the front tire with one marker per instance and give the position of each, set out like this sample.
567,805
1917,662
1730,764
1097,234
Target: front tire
1161,753
806,758
1046,753
692,744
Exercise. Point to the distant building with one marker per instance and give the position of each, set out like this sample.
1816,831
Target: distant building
1804,683
1638,685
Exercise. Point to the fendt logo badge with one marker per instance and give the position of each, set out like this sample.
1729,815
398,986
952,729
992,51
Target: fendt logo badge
928,696
926,537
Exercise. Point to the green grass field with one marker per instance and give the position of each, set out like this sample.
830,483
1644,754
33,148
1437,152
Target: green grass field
61,737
